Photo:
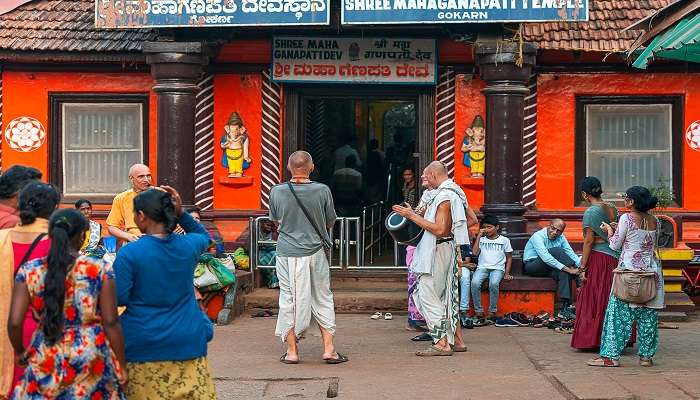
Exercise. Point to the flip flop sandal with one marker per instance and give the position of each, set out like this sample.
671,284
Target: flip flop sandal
388,317
339,359
423,337
603,362
459,349
433,351
284,360
376,315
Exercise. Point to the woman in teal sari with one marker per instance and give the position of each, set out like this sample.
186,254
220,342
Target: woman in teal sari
597,263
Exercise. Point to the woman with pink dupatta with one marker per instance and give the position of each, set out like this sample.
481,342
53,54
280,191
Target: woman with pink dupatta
37,202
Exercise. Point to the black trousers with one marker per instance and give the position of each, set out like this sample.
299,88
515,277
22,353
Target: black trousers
539,268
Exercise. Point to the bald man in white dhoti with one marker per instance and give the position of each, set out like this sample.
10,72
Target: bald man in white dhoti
435,260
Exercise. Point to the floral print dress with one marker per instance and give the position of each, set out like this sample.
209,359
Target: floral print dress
637,254
80,365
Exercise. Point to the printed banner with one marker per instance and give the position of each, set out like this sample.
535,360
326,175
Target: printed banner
202,13
354,60
461,11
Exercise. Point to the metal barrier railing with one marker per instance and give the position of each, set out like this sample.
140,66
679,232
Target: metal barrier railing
365,233
256,242
357,242
372,226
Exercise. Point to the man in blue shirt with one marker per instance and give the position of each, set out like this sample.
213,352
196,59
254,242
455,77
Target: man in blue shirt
548,253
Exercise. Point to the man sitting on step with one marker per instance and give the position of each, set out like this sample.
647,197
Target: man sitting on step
548,253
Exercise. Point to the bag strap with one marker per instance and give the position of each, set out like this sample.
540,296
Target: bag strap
325,242
31,249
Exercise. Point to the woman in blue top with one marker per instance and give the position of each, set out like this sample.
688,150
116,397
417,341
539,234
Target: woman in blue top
165,332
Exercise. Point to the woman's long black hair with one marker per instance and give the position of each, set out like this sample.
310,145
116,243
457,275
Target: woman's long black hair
37,200
64,226
158,206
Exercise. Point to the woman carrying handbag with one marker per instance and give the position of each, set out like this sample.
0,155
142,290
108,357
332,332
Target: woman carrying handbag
638,287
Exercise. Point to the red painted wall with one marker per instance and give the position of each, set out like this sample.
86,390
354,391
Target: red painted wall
27,94
556,127
240,93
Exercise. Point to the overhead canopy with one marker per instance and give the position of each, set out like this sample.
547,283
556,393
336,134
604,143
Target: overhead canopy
672,33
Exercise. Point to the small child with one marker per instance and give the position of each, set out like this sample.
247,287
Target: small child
465,277
495,258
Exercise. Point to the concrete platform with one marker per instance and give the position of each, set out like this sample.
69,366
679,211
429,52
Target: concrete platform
502,364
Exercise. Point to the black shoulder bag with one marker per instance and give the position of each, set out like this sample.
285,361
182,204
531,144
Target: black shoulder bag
31,250
326,244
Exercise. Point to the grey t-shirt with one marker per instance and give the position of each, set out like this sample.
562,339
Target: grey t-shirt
297,238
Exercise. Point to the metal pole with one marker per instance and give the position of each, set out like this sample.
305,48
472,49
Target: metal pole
357,245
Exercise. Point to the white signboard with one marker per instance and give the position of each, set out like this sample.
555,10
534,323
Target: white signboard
354,60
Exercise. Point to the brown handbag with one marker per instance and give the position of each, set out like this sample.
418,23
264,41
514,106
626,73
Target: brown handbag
633,286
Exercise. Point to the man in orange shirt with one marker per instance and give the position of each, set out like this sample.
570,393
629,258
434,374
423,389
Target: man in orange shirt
120,221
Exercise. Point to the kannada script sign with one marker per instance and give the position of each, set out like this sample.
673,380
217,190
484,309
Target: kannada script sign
201,13
354,60
456,11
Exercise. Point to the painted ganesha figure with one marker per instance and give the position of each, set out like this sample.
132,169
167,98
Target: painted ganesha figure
474,145
234,142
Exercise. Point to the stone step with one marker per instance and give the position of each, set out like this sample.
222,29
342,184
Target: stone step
346,301
669,316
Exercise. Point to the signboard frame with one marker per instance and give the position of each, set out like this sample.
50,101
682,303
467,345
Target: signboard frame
351,82
424,21
326,21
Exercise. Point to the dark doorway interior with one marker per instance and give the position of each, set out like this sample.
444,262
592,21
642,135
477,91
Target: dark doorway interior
360,148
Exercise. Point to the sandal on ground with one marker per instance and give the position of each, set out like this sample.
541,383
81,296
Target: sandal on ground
433,351
603,362
423,337
338,359
565,330
458,349
388,316
376,315
284,360
646,362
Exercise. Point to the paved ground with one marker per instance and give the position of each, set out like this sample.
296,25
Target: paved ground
502,363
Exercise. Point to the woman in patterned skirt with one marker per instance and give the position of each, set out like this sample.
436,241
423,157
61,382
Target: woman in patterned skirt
77,351
165,331
636,237
597,263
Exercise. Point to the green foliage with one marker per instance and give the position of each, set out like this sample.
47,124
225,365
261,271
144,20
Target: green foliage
663,193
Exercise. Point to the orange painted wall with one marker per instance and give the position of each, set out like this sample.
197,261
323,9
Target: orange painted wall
27,94
469,102
241,93
556,110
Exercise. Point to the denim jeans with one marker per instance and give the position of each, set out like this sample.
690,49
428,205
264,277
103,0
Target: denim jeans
464,290
494,276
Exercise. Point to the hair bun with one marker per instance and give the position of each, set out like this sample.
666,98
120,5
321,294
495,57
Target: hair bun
653,201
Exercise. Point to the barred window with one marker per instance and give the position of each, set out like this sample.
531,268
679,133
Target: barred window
99,141
628,141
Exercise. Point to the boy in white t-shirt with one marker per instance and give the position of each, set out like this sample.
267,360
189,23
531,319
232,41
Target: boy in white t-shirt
495,258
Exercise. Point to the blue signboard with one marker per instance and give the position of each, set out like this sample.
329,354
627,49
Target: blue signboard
203,13
461,11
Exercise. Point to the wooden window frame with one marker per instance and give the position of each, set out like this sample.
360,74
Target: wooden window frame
56,101
676,102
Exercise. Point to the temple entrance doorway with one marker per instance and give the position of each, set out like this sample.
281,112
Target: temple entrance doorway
366,145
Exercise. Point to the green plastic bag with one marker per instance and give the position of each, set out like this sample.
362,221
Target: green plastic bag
224,276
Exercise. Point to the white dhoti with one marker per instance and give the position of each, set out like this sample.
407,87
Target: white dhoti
305,292
437,294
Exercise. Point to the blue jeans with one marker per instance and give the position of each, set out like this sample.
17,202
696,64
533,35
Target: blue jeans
494,276
464,284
